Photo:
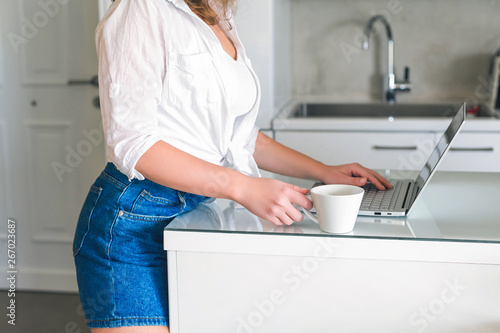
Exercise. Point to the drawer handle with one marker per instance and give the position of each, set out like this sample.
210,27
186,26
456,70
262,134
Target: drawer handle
394,147
485,149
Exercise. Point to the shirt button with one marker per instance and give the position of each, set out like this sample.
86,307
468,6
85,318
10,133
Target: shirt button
120,213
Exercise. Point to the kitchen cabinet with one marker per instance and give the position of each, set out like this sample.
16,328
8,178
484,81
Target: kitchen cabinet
378,150
404,145
474,151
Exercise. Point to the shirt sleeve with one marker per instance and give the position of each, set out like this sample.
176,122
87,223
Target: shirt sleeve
252,139
131,54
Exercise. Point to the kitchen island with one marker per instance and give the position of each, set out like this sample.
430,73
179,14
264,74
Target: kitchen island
437,270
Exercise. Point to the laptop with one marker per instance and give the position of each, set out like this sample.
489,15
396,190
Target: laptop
399,200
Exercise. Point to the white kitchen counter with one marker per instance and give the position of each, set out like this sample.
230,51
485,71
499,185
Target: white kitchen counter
437,270
381,124
283,122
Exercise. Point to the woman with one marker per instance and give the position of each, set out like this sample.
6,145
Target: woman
179,100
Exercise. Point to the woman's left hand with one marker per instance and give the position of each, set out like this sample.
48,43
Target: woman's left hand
353,174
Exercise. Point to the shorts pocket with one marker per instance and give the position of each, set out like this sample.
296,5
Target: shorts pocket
150,206
83,226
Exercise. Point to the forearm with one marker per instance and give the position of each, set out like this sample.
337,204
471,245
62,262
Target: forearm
174,168
275,157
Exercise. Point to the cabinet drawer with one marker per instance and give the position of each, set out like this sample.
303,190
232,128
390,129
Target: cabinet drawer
377,150
474,152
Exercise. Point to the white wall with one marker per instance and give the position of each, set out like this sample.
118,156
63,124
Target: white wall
265,29
448,45
103,6
254,21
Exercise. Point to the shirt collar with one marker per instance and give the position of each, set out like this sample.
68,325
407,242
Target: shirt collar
181,4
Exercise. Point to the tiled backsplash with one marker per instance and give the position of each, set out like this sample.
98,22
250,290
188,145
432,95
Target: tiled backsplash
448,45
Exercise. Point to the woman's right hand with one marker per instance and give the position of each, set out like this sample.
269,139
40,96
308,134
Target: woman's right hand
273,200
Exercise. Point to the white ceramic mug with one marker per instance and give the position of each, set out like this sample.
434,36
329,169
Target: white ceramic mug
337,207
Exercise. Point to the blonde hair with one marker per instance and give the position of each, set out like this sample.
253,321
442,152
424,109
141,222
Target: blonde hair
203,9
210,15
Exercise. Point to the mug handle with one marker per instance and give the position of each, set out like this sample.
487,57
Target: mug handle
309,213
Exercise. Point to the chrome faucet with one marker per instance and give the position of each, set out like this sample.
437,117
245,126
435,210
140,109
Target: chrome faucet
391,86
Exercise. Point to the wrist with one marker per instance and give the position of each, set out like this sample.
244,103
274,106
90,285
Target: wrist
320,172
236,187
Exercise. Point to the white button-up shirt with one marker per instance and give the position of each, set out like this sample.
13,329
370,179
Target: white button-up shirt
160,78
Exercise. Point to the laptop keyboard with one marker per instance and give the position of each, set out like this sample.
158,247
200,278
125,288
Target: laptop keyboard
380,200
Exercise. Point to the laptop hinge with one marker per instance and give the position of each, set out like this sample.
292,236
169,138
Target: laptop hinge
408,198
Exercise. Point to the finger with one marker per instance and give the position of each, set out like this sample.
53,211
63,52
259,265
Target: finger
275,220
300,199
380,182
357,180
384,181
294,214
365,175
285,219
298,189
375,181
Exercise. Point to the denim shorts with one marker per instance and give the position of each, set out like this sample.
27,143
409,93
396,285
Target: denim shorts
118,249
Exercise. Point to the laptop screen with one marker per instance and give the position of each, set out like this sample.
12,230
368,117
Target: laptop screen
439,151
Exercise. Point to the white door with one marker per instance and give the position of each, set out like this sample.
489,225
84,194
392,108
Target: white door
51,141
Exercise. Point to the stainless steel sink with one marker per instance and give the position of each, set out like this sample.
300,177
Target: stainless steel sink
373,110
